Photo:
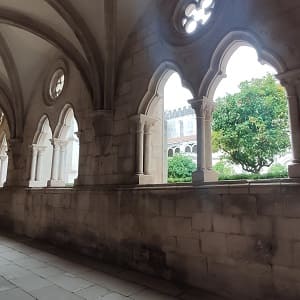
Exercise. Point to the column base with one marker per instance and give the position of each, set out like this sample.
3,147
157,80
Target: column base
56,183
202,176
294,170
144,179
37,184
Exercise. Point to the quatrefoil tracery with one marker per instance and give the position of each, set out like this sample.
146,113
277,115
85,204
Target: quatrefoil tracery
196,14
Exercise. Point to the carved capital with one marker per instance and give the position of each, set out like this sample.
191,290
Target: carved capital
290,80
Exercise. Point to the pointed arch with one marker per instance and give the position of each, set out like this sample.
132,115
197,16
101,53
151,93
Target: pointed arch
224,51
42,131
67,141
42,152
64,122
156,85
14,18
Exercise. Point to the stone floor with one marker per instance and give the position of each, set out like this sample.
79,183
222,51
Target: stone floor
29,270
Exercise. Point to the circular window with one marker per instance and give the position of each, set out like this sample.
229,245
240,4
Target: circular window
57,84
196,15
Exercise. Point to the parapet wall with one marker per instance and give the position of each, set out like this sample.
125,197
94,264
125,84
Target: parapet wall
242,241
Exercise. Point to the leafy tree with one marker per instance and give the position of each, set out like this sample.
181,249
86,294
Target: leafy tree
180,166
252,126
223,168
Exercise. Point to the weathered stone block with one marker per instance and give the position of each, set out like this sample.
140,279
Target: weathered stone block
202,222
188,246
257,226
226,224
239,204
213,243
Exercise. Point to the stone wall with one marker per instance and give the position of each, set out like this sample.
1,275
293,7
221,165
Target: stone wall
240,240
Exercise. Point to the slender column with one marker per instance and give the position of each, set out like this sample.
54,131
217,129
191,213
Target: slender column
2,171
33,163
148,145
294,126
139,121
198,106
39,164
291,81
62,161
55,160
209,108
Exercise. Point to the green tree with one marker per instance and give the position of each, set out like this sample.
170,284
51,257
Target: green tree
180,166
223,168
252,126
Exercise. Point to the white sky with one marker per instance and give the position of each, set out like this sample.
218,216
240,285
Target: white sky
242,66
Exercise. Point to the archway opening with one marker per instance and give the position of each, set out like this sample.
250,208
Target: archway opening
69,148
4,135
250,122
179,130
42,152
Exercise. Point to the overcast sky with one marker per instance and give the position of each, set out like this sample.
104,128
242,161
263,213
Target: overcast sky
243,65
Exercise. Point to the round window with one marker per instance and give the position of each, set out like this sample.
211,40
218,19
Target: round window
196,15
57,84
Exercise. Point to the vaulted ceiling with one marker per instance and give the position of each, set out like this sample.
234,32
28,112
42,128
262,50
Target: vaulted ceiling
90,33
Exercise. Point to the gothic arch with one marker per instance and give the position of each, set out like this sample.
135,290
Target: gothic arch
156,85
48,34
65,117
39,137
42,152
224,51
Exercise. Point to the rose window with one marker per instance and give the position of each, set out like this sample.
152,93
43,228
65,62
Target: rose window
197,14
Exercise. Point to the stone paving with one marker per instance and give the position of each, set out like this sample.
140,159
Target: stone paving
37,271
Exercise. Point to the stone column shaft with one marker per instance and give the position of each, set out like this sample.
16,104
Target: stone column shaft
2,171
39,163
62,161
148,145
198,106
55,161
295,126
33,163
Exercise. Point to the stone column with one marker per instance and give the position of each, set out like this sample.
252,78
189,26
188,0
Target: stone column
210,175
148,145
33,162
57,164
39,163
62,161
291,81
208,110
198,106
140,128
2,170
55,160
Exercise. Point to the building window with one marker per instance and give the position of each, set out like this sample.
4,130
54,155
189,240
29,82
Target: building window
188,149
170,153
197,14
57,84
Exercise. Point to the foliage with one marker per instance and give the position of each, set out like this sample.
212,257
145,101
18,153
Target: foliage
180,167
179,180
278,169
252,126
223,168
269,175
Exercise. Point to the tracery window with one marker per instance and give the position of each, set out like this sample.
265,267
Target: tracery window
57,84
196,14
